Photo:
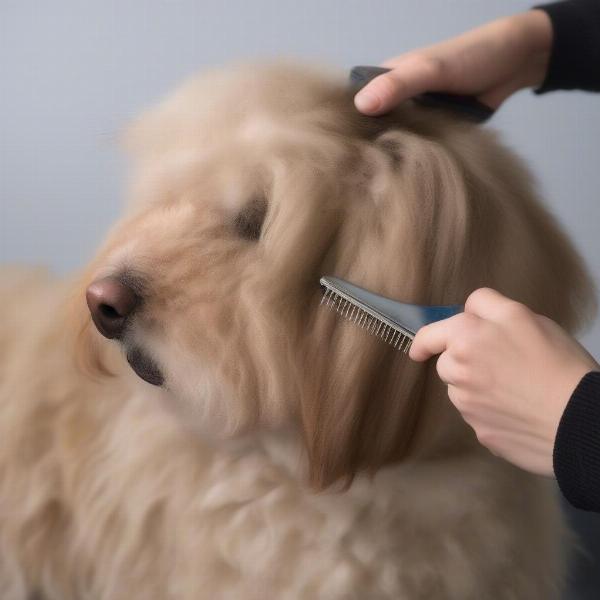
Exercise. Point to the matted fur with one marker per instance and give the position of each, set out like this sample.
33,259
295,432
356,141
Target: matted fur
288,455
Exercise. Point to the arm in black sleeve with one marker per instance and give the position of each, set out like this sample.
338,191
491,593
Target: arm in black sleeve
577,445
575,55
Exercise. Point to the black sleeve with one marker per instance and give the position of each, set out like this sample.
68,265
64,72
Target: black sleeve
577,445
575,55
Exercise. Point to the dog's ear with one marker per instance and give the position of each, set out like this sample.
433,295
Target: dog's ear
366,404
362,404
436,217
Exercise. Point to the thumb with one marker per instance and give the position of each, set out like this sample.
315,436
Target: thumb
408,78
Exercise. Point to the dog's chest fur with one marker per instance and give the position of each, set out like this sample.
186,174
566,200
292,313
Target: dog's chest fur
104,494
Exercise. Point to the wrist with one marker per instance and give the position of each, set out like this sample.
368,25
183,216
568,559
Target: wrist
533,31
536,29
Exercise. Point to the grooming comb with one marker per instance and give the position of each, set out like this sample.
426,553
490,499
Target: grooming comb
466,107
394,322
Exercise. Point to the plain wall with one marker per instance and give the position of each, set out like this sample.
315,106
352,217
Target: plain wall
73,73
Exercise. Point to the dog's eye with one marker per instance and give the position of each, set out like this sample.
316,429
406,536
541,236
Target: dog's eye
249,221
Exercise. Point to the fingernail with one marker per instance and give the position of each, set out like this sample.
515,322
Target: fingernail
366,101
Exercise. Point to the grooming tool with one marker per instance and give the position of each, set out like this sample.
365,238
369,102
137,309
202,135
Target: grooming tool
394,322
466,107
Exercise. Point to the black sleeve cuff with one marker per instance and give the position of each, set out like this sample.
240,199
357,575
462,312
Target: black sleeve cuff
577,445
575,55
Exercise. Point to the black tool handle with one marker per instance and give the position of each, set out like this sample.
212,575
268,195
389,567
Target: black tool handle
467,107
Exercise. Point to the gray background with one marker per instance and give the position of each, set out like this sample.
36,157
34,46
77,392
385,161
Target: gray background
73,73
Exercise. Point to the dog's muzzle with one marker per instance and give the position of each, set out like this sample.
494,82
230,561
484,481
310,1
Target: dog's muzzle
112,303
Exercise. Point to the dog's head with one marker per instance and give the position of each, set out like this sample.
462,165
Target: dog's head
251,183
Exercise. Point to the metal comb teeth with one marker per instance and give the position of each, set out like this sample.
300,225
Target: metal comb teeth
394,322
365,319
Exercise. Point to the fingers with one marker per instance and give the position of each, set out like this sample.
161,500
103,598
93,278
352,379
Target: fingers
436,337
484,304
490,304
446,369
430,340
410,76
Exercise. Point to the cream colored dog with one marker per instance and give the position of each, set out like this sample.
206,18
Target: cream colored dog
256,447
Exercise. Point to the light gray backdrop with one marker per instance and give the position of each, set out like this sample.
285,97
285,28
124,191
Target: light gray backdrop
72,73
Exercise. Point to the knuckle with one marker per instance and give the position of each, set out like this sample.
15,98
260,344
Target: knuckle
544,320
388,85
546,324
469,321
454,372
477,295
514,310
442,367
485,437
462,400
462,348
435,65
462,375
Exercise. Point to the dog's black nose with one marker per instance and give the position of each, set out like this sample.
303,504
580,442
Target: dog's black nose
111,302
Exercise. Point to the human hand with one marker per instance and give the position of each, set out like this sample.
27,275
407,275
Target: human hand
510,372
490,62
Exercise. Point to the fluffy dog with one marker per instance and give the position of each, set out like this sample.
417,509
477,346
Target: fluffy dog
256,447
